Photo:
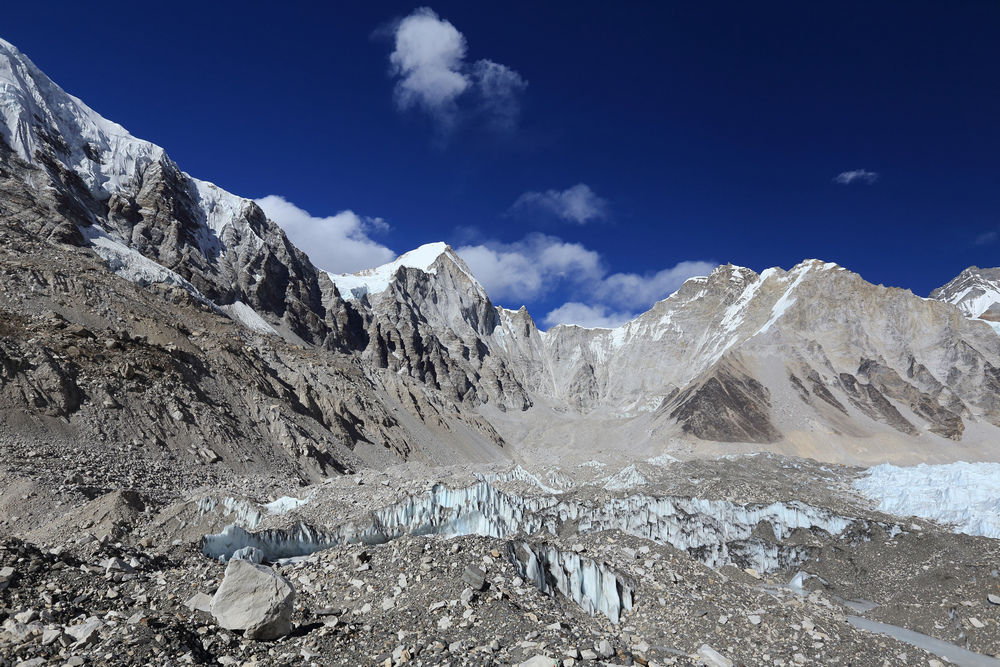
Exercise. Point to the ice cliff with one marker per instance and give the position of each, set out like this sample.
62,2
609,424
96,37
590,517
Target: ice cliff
965,495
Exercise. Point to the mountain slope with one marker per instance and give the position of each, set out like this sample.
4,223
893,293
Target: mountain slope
75,188
127,195
412,359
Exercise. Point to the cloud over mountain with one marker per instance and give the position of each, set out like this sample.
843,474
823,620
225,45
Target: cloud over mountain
576,204
541,265
338,243
433,75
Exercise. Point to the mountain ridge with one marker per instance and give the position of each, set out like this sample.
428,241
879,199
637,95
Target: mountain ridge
811,359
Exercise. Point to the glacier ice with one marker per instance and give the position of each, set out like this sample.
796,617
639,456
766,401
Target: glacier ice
965,495
519,474
714,531
593,586
626,478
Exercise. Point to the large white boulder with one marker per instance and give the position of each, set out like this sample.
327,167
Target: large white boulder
255,599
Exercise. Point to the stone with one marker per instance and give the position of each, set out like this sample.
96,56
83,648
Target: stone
588,655
540,661
993,599
33,662
86,632
200,602
26,616
51,636
754,619
255,599
976,623
712,658
475,577
605,649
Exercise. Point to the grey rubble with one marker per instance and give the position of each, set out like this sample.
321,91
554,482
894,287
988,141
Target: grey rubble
363,604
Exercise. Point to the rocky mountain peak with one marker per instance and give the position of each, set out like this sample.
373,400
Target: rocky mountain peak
429,259
975,291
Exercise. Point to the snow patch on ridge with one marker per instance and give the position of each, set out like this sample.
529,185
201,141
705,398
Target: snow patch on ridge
249,317
131,265
965,495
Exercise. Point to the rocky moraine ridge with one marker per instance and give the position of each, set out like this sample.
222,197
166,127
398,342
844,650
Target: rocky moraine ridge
213,452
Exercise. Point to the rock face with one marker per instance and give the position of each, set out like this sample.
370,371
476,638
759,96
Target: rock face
255,599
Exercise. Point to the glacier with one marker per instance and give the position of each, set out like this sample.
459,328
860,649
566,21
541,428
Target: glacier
963,495
716,532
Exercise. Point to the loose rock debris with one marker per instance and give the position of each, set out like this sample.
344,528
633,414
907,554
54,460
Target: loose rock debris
149,596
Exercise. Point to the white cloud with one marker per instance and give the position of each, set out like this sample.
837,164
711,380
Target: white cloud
500,90
635,291
530,268
541,265
337,243
849,177
987,238
577,204
429,59
591,317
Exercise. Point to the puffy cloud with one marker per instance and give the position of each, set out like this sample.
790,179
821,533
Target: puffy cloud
531,267
429,61
635,291
337,243
849,177
591,317
541,265
577,204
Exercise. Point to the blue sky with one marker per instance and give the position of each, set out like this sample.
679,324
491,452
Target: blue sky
585,157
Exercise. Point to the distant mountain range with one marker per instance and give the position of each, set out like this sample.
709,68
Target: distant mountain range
413,360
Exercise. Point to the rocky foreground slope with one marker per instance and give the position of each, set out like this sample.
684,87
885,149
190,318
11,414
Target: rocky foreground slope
750,561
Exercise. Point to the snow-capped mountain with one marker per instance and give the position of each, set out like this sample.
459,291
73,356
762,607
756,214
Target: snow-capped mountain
134,204
413,359
976,292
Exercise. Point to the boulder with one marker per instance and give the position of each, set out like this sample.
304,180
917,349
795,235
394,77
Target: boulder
712,658
255,599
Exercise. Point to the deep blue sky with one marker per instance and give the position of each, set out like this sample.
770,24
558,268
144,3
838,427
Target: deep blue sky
710,131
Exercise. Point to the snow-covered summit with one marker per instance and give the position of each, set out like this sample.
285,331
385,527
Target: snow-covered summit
975,291
154,222
427,258
36,115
